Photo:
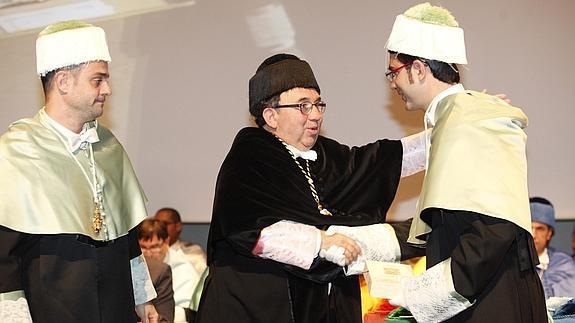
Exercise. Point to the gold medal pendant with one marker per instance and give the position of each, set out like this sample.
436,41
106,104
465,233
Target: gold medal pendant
97,220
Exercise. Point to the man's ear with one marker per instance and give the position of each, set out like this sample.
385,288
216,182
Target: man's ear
62,81
270,116
420,69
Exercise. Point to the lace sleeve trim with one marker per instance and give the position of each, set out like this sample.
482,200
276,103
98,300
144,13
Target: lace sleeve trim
15,310
290,243
414,150
431,297
377,241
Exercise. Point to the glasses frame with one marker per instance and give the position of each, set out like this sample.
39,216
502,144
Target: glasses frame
305,107
153,249
392,74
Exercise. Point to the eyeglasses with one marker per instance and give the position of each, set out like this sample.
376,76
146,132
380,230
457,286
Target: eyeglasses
392,74
306,106
155,248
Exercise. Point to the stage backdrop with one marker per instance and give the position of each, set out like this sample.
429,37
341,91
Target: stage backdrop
180,81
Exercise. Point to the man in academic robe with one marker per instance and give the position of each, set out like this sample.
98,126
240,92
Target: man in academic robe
472,219
279,187
70,199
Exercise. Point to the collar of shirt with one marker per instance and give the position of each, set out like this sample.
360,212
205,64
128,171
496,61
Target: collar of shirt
176,245
543,260
308,155
430,112
75,140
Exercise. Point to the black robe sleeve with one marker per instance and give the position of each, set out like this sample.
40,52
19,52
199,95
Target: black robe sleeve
408,250
492,263
480,248
134,245
10,268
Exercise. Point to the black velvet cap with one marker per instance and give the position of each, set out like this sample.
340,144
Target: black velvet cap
276,74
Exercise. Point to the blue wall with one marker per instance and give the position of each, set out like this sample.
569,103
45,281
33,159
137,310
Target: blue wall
563,235
196,233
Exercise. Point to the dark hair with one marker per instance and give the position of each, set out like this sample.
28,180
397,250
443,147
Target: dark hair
445,72
261,106
49,77
47,80
174,215
150,228
540,200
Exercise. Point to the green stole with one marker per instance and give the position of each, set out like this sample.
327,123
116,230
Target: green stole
44,191
477,161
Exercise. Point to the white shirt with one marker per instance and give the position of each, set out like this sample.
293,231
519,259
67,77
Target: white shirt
543,262
429,117
193,253
75,140
184,277
430,112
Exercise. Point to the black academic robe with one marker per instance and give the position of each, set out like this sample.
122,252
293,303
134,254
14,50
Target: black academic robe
69,277
259,184
492,263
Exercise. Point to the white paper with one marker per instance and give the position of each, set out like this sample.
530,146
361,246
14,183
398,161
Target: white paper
384,278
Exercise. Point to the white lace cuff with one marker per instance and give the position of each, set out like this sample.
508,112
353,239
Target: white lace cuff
334,254
413,153
14,308
142,283
431,297
290,243
377,242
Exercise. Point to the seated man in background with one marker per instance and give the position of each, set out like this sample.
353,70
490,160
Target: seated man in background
556,269
193,252
153,239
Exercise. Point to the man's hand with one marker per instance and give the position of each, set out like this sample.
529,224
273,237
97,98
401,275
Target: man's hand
502,96
339,248
147,313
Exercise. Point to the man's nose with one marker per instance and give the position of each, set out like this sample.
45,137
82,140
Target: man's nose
106,88
315,114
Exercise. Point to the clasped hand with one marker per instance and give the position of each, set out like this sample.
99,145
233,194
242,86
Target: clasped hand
339,249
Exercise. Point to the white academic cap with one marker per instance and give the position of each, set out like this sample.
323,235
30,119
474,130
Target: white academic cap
430,32
69,43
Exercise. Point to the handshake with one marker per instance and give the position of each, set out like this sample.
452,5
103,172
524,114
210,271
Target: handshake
352,246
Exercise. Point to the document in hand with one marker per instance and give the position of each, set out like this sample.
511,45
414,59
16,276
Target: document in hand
384,278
